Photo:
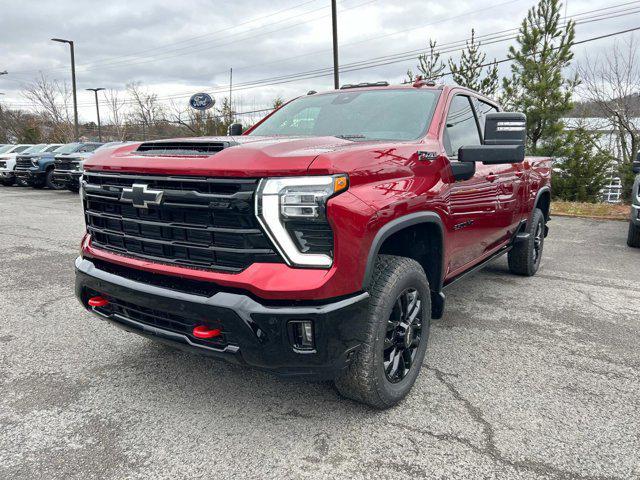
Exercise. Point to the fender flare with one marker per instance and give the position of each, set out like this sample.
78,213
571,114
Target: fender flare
541,191
394,226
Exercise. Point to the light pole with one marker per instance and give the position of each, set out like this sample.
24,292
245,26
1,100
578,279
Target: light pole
334,21
95,92
73,80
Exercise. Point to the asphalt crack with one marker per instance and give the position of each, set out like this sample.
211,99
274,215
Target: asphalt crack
489,447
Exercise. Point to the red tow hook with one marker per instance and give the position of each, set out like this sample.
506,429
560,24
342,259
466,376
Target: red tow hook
98,302
205,332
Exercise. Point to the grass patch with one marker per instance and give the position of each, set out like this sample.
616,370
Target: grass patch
606,211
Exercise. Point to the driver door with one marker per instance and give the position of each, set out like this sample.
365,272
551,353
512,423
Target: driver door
473,203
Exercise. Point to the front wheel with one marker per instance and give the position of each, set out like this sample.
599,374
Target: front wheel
394,341
51,183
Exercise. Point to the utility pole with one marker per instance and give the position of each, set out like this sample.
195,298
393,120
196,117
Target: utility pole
73,80
95,91
230,92
334,21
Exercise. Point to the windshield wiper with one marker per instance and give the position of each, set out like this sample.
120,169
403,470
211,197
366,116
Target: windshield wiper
350,137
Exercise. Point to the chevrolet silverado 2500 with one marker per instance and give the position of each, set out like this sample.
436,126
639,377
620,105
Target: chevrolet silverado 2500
319,243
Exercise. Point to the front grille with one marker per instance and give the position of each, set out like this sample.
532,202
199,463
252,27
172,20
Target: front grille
23,163
206,223
67,164
160,319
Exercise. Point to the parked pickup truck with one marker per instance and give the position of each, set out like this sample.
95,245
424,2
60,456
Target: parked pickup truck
8,155
319,243
633,238
69,168
37,170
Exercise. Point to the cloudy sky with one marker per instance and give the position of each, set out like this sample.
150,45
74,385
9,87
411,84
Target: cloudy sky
177,48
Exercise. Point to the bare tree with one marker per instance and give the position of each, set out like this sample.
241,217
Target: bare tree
611,83
116,107
146,109
52,99
198,123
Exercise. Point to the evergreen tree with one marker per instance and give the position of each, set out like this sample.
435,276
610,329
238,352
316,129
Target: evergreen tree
469,72
537,85
429,64
583,169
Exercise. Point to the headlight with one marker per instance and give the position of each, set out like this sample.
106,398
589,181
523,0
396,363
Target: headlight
34,161
292,211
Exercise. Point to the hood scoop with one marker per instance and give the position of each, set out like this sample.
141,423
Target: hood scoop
169,149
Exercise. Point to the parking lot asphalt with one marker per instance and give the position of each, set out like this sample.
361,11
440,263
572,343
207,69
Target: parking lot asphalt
524,378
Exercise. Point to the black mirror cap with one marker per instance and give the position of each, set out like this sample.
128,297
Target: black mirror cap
505,128
492,154
463,170
235,129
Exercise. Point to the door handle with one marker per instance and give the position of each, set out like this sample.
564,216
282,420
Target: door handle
491,177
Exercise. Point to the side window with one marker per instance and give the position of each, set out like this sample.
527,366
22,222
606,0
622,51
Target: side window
482,108
461,128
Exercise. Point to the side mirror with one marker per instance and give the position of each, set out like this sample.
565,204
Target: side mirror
235,129
463,170
504,139
636,164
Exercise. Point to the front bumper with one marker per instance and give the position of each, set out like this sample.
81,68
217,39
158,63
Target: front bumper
31,176
68,178
7,175
254,334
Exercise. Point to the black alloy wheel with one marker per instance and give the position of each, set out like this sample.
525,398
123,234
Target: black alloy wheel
404,332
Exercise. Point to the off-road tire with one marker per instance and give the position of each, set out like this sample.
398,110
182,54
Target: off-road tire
523,259
633,237
365,379
51,183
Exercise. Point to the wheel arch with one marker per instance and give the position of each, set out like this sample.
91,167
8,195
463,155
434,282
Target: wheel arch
419,236
543,202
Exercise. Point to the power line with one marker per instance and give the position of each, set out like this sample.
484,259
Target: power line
411,52
398,57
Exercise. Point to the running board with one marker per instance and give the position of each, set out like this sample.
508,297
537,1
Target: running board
479,266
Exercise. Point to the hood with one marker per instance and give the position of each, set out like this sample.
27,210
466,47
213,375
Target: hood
242,156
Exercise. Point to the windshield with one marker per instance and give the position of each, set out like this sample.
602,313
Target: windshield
68,148
6,148
400,114
36,148
89,147
52,148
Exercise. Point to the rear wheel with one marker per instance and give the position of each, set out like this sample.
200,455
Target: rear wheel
633,237
394,342
524,257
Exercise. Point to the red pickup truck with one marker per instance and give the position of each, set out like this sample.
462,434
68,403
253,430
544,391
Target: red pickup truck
319,243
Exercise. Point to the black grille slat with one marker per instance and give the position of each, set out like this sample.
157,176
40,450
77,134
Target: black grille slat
210,224
23,163
160,319
67,164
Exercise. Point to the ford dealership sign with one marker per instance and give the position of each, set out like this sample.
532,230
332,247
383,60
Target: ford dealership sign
201,101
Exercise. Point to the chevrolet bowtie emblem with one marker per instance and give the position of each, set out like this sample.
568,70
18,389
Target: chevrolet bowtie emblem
141,196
